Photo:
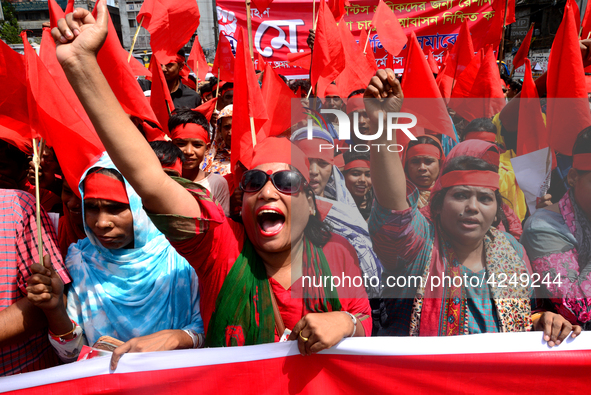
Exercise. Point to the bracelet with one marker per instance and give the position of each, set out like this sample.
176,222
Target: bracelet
193,336
535,316
354,322
67,333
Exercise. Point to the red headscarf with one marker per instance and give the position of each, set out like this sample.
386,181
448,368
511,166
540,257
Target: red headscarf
280,150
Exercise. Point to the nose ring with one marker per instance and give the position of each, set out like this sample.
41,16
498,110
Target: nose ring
111,225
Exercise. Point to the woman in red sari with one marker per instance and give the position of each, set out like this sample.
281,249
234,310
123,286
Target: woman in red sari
252,276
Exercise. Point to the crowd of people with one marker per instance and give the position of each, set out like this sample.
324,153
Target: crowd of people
167,245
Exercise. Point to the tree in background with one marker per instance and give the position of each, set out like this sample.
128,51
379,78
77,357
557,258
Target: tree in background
9,28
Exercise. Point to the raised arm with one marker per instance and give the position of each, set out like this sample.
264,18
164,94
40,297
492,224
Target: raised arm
387,172
78,39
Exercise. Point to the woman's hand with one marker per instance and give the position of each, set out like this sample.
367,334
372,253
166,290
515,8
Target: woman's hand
556,328
386,92
322,331
45,288
160,341
79,34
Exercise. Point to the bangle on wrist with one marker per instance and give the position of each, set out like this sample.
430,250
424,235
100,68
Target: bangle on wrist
197,343
354,319
65,334
535,317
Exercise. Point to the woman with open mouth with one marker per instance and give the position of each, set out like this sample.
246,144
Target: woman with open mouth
252,276
459,242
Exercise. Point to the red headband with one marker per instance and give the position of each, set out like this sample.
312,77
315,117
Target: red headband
473,178
312,148
280,150
101,186
331,90
582,162
424,150
177,165
190,131
485,136
180,59
355,103
357,163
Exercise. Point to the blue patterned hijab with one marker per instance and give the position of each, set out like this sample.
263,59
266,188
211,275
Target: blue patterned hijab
126,293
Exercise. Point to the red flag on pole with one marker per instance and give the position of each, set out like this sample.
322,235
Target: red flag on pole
420,88
301,59
499,7
207,108
262,5
278,100
369,55
523,51
389,30
531,130
112,59
55,13
249,109
457,60
328,56
171,24
70,6
432,62
197,61
52,116
160,99
337,7
494,33
567,111
357,73
223,65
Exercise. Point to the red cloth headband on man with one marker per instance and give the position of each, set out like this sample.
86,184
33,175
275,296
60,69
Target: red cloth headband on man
102,186
190,131
423,150
280,150
485,136
317,149
472,178
582,162
332,90
177,165
355,103
357,163
180,59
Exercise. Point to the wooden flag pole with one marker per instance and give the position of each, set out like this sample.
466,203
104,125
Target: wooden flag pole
167,107
366,41
249,28
217,88
37,163
252,132
314,13
502,49
134,39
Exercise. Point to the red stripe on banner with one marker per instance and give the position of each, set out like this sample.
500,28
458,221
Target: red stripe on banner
464,373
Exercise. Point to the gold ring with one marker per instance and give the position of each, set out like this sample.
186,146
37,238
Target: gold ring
305,339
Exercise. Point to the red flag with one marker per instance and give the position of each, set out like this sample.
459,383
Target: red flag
523,51
70,6
171,24
357,73
278,100
567,111
223,65
337,7
53,117
499,7
55,13
494,33
160,99
466,79
112,59
248,104
457,60
301,59
486,98
390,61
14,114
207,108
531,130
261,64
586,25
432,63
197,61
369,55
184,74
389,30
328,56
419,84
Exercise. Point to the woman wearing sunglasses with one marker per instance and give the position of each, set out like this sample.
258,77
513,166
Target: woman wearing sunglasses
459,242
251,275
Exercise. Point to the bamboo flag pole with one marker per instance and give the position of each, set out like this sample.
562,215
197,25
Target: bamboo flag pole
134,39
252,132
314,14
366,41
502,49
217,88
249,28
37,152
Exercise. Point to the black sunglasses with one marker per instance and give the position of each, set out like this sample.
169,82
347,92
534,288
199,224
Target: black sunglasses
285,181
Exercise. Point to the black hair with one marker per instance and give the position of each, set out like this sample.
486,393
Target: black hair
357,92
515,85
583,144
206,88
181,53
350,156
183,116
296,84
167,152
480,124
15,155
283,78
468,163
226,86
